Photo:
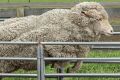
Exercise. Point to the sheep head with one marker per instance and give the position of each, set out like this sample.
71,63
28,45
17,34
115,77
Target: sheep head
92,16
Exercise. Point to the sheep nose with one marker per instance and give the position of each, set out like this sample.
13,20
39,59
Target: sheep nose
111,30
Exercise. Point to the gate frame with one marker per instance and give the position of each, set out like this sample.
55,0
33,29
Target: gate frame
41,75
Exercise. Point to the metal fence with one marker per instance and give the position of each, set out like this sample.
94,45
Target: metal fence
41,60
90,60
21,58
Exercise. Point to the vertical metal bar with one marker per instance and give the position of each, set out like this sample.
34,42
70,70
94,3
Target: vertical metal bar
38,63
60,70
42,70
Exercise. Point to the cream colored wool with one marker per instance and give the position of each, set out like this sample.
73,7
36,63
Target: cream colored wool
84,22
14,27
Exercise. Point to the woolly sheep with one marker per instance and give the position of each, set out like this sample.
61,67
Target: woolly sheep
84,22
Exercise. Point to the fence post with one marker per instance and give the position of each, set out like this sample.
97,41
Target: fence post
38,63
42,63
20,12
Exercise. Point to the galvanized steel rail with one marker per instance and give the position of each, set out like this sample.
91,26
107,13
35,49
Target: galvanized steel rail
14,43
112,75
18,75
83,59
82,43
116,33
18,58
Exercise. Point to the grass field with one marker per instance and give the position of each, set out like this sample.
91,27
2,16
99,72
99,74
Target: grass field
88,68
57,0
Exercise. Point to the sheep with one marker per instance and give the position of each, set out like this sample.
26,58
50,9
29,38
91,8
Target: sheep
85,21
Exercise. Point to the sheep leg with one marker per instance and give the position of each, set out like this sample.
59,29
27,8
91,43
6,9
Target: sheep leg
77,65
6,67
60,70
82,53
75,68
57,65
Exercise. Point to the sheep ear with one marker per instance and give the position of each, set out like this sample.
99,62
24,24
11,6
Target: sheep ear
93,14
86,13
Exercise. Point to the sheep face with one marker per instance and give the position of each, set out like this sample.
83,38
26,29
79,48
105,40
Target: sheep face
99,21
102,27
93,16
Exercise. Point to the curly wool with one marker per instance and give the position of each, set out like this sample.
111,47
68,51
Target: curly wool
55,25
13,28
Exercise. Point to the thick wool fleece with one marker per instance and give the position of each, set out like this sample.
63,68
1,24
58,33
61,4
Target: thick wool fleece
55,25
12,28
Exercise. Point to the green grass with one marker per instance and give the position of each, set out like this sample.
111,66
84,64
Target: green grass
18,0
86,67
57,0
3,1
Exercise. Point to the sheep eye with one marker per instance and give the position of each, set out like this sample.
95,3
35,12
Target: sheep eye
100,19
83,12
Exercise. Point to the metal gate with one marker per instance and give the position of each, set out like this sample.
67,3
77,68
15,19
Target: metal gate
41,75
